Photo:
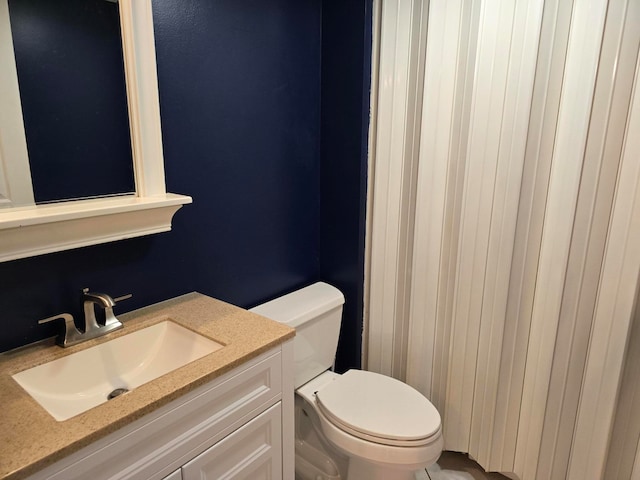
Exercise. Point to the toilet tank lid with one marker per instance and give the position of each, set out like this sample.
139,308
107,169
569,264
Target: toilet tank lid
301,305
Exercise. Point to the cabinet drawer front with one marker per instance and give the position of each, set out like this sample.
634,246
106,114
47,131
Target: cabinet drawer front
161,442
252,452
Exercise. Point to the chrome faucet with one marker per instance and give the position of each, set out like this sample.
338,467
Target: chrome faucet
92,329
89,302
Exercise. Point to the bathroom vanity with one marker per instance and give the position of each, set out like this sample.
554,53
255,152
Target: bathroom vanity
228,414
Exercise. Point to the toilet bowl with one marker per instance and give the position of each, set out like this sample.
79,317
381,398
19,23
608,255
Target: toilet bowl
361,425
387,429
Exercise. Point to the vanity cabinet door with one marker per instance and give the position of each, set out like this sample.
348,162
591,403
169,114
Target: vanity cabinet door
252,452
177,475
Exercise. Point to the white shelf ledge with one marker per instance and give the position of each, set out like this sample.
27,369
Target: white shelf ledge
36,230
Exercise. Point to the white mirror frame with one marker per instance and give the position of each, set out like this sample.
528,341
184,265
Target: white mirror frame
26,229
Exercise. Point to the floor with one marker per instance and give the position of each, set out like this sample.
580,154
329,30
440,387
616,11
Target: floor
457,466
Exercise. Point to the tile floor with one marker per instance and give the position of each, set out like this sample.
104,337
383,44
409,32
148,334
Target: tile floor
457,466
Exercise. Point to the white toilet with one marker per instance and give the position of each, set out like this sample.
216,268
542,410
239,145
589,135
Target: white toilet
356,426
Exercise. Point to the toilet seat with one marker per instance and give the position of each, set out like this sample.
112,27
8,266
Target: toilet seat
379,409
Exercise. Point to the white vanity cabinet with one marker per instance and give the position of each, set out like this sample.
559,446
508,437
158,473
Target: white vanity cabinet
238,426
177,475
252,452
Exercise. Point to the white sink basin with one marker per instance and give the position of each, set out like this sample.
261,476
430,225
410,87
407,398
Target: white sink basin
78,382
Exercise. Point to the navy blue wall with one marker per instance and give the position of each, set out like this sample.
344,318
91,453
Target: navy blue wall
346,66
242,94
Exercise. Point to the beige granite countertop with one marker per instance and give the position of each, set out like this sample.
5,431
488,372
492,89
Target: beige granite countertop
31,439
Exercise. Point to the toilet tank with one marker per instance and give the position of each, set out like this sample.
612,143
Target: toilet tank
315,312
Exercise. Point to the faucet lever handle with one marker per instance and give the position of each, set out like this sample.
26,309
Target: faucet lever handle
66,316
70,335
123,297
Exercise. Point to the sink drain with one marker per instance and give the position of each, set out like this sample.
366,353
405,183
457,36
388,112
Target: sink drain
116,393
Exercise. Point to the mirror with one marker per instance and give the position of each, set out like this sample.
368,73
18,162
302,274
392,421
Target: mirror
72,86
28,229
71,79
